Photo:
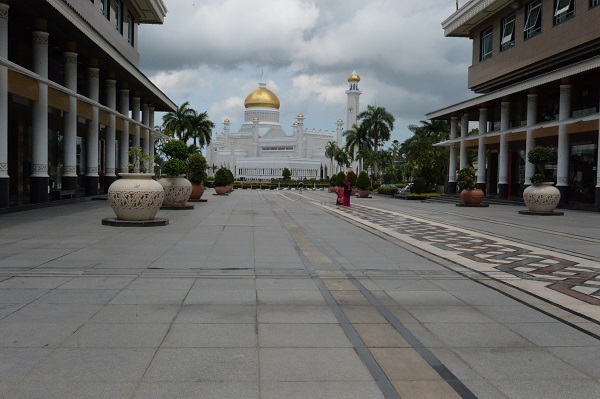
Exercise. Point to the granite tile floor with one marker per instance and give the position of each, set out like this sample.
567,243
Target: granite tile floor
277,294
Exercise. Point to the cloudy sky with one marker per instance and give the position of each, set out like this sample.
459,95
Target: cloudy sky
213,53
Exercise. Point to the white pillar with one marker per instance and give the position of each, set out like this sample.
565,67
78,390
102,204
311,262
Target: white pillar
124,138
481,156
452,166
146,141
503,155
70,124
564,112
151,139
91,188
464,132
135,115
111,140
532,103
39,150
4,178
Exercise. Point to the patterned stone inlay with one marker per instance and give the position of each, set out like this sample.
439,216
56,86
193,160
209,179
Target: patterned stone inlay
36,167
136,199
3,167
572,282
69,169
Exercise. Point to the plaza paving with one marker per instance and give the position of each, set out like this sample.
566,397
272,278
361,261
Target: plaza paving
282,294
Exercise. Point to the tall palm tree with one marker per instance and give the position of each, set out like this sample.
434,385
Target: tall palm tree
379,123
200,128
342,158
330,150
178,121
358,140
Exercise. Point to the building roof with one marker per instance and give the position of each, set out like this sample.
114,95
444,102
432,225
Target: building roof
473,13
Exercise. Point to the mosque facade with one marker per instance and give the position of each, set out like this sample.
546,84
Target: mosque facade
261,149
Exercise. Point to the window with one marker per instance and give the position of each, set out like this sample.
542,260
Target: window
119,16
106,8
507,39
486,44
533,19
130,29
594,3
563,10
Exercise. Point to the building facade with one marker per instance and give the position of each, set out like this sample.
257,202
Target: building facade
536,68
72,97
261,149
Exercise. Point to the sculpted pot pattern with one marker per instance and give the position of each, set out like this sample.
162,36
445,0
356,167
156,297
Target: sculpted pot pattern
136,196
177,190
543,198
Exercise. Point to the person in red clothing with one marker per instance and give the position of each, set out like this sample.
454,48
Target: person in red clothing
347,192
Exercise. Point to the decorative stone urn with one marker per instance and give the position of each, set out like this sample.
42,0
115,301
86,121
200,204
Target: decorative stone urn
177,190
136,196
472,197
197,191
541,198
363,193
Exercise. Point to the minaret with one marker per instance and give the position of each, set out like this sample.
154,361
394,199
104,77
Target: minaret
340,132
353,100
301,138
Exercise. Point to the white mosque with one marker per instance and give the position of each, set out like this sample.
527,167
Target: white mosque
261,149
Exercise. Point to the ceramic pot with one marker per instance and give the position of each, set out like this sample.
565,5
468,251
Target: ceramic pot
542,198
136,196
363,193
221,190
197,191
472,197
177,190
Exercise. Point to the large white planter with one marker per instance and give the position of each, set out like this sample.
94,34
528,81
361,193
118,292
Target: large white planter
542,198
136,196
177,190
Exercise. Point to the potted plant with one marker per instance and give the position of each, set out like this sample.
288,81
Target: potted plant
221,181
541,196
197,174
136,196
362,184
467,181
230,179
177,187
352,179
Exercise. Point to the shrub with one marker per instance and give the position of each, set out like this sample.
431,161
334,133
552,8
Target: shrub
540,156
419,186
339,181
221,178
286,174
197,168
175,149
352,178
362,181
333,181
467,178
174,167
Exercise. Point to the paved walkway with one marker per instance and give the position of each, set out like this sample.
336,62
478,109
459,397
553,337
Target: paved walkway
281,294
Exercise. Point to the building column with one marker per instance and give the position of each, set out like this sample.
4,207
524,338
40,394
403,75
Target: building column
39,179
562,170
532,109
124,138
464,132
69,175
452,166
145,141
111,131
4,177
151,138
92,178
503,155
481,154
135,115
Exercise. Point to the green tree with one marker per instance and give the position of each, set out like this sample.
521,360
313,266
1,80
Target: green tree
358,141
286,174
421,158
330,151
178,122
379,123
200,128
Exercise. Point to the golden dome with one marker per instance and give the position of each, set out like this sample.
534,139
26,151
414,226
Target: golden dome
300,116
339,121
353,77
295,124
226,121
262,98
